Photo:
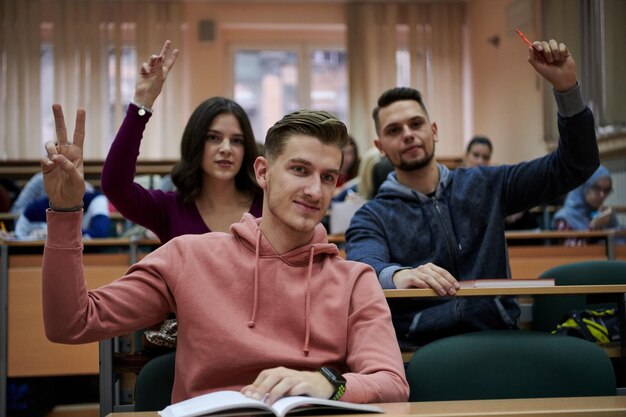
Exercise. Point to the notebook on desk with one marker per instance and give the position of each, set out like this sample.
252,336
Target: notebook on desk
507,283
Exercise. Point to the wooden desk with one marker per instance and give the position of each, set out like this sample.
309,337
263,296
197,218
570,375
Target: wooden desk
531,261
533,407
24,348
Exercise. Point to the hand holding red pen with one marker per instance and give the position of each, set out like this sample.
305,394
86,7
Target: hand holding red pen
553,61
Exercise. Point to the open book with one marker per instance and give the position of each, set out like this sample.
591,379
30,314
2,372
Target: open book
235,403
507,283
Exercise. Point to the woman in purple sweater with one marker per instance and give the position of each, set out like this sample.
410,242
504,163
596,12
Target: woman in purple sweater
214,179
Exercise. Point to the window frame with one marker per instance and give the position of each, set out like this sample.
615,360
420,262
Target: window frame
303,50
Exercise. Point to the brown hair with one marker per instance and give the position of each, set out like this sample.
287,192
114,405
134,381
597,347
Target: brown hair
187,174
316,123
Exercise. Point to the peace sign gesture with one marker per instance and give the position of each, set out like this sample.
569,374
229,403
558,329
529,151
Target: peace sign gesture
62,167
152,75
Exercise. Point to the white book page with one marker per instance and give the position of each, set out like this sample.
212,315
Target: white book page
288,404
213,402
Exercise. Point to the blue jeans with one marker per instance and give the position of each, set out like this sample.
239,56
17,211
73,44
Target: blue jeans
458,315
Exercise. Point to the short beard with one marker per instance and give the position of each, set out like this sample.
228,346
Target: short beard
415,165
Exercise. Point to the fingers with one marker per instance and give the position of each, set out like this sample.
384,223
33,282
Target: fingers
166,58
273,384
551,51
145,68
59,124
79,129
169,62
51,151
166,48
260,388
438,279
61,130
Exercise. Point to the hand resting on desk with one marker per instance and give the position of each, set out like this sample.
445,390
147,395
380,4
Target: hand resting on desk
427,276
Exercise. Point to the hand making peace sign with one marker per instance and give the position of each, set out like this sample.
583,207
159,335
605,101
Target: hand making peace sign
62,167
152,75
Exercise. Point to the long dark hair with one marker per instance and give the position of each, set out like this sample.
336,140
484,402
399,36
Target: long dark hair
187,174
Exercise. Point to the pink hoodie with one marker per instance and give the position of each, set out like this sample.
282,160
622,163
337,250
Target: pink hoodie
241,308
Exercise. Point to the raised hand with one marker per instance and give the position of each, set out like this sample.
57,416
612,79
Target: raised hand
62,167
152,75
554,62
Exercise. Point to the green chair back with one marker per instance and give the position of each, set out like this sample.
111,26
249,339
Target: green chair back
548,310
497,364
153,388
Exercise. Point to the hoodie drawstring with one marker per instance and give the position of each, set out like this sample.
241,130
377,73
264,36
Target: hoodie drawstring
256,280
307,304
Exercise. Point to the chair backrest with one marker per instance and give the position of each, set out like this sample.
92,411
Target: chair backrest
153,388
496,364
548,310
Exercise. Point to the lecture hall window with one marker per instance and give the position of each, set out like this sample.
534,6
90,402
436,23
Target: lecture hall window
120,66
269,83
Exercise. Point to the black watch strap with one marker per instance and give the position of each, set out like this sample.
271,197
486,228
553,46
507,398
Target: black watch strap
336,379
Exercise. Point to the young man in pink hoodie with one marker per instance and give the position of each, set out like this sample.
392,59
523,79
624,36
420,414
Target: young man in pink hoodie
262,309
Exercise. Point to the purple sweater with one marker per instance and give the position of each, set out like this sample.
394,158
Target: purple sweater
164,213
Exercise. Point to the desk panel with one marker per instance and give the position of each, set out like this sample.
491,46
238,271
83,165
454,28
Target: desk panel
620,252
29,351
532,261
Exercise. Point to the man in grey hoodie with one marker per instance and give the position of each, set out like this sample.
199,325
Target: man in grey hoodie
430,227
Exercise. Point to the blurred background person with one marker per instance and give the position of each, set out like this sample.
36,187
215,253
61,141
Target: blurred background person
351,162
584,207
96,222
362,186
478,152
32,191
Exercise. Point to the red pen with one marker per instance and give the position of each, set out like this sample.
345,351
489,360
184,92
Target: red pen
527,42
524,38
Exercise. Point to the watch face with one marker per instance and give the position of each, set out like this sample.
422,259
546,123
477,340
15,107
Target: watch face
337,381
333,375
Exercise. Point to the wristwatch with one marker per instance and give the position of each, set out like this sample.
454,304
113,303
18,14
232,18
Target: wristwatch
336,379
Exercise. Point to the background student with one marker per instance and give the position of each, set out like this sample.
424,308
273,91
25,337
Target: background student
478,152
32,191
261,309
429,227
31,224
351,163
362,185
214,179
584,207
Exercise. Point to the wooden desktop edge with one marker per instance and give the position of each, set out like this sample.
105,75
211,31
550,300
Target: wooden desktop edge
555,290
113,241
564,406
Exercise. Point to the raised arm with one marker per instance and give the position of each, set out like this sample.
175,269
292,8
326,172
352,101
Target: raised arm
71,313
118,173
576,156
